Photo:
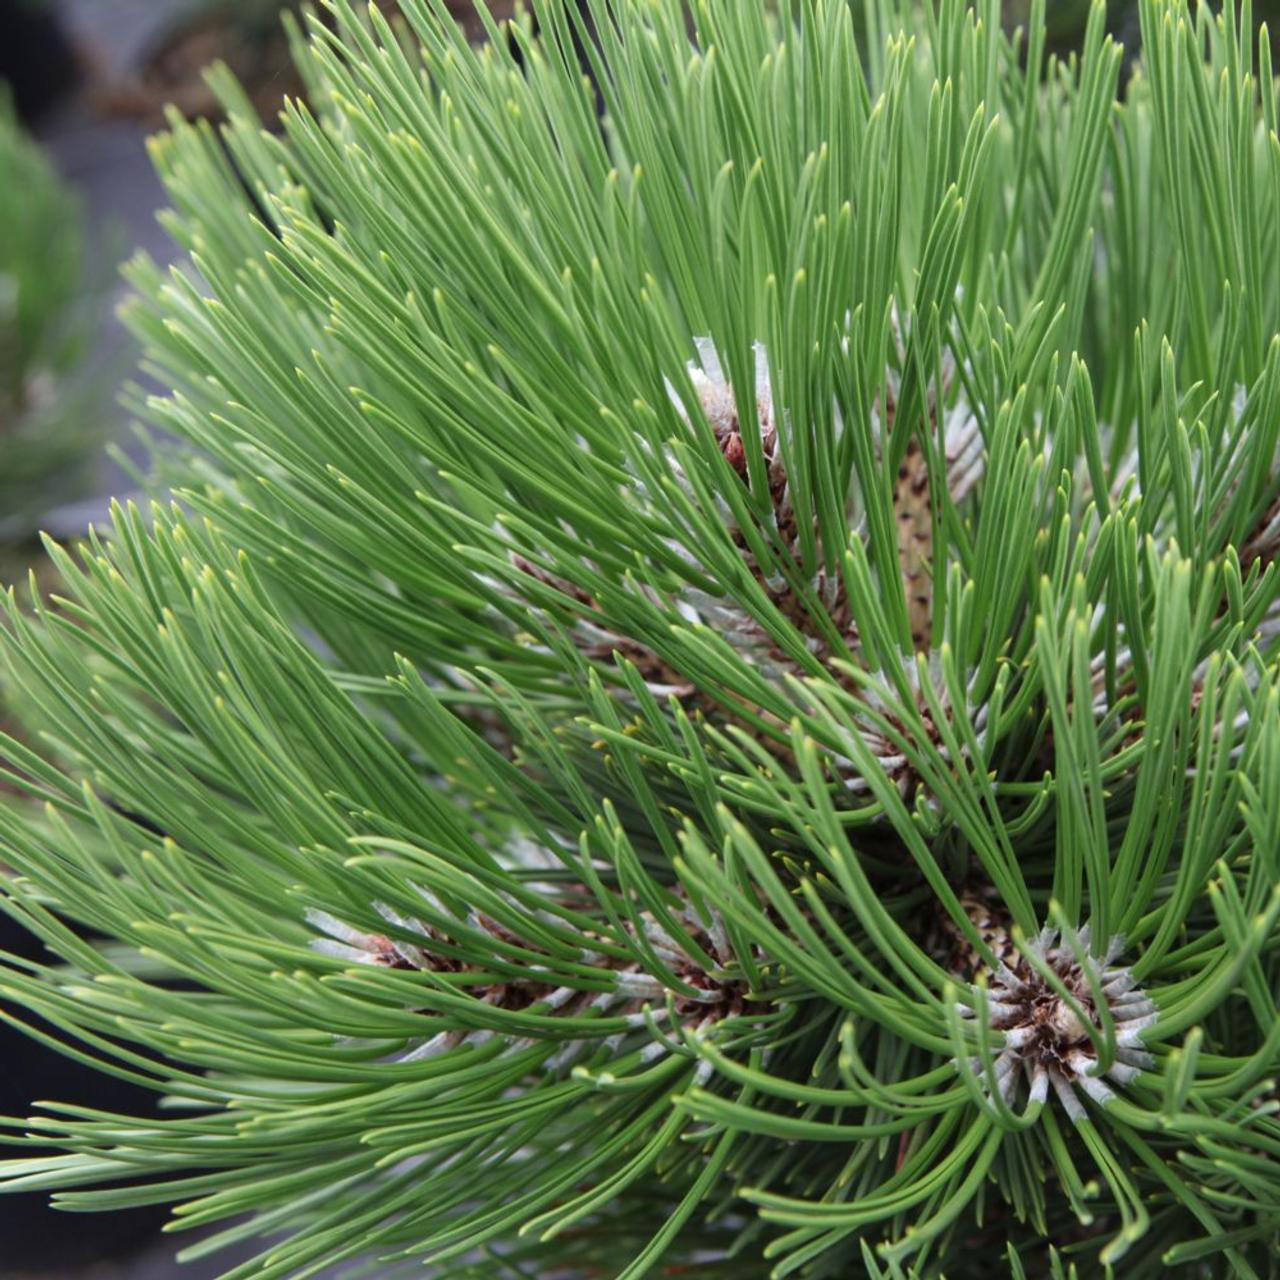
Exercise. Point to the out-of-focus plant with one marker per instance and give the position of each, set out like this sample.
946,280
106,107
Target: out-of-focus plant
49,415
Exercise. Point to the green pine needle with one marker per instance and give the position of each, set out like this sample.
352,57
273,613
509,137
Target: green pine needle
707,697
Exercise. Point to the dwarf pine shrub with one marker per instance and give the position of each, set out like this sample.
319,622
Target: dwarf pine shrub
708,699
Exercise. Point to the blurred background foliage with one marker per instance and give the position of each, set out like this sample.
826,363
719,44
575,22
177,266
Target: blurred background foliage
46,409
55,399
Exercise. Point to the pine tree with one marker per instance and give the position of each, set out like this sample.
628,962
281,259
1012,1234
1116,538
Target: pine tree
707,697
